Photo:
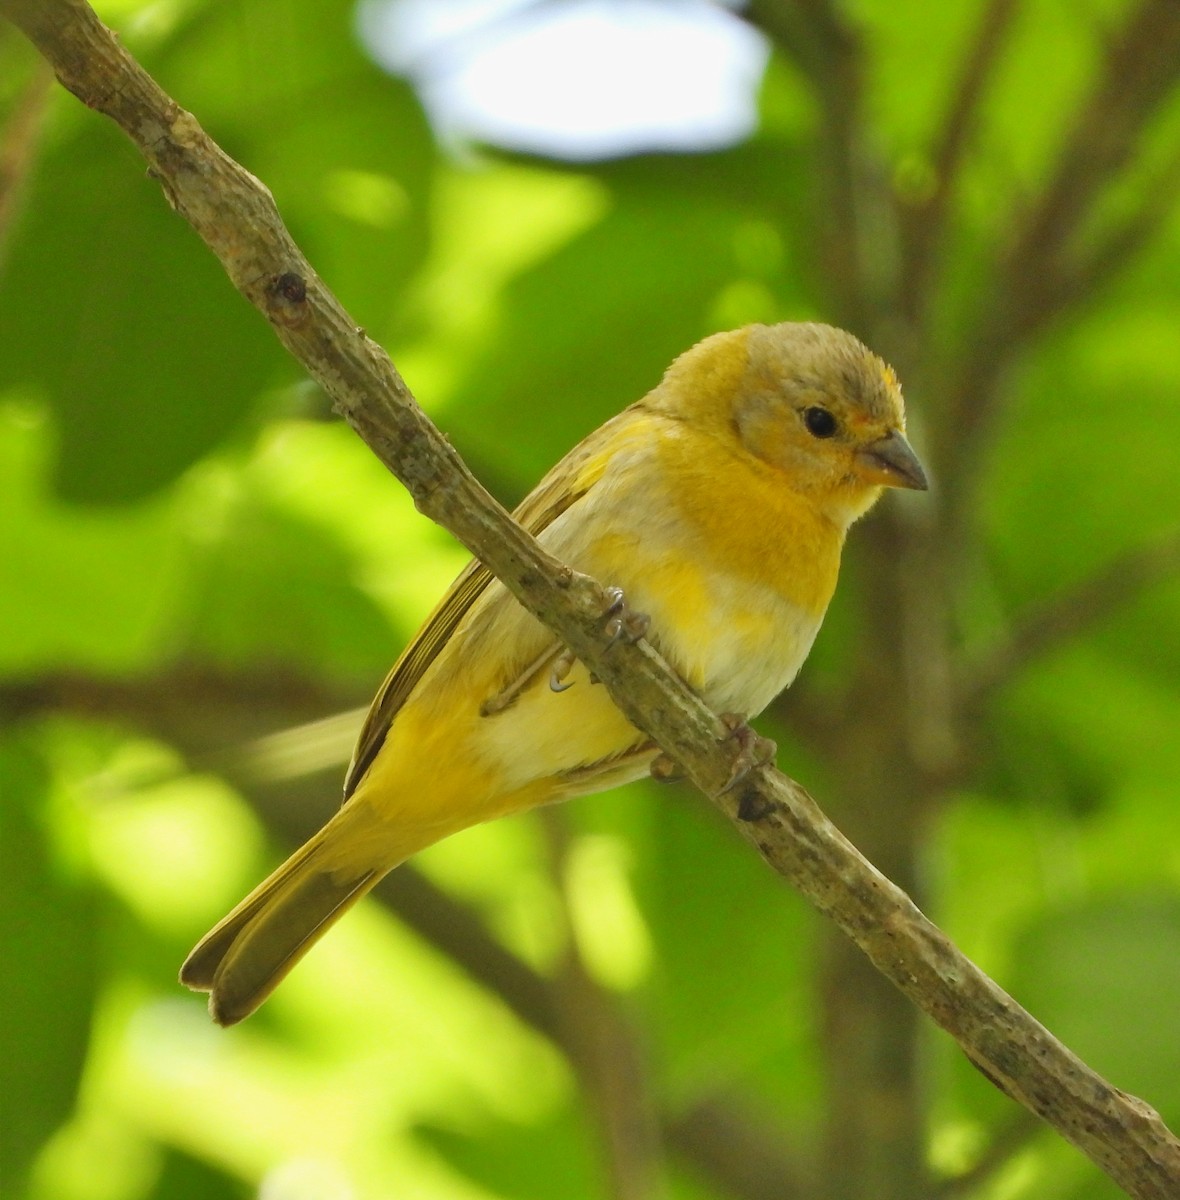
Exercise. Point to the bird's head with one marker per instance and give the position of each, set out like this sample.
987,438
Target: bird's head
808,400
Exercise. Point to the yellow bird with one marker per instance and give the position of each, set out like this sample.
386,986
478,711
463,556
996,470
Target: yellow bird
719,503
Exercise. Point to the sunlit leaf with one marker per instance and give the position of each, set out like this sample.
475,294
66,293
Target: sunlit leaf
49,927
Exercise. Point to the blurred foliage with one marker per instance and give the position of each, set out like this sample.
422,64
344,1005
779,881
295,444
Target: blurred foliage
196,558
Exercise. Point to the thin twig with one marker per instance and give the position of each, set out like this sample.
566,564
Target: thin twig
604,1049
1096,266
237,218
1071,614
963,115
18,146
1141,68
923,224
827,50
1036,283
1009,1140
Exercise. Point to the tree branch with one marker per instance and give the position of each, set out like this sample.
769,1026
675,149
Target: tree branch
237,218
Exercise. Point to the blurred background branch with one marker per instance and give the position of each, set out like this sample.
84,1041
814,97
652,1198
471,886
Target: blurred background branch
18,143
1071,614
193,711
986,193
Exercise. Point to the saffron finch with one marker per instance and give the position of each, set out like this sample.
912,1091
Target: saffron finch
719,503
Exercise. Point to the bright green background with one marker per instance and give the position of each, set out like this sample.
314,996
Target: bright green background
194,555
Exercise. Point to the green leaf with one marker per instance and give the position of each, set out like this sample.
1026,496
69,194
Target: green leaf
97,590
547,1161
729,999
116,313
186,1178
1104,976
591,328
48,927
344,147
274,589
150,359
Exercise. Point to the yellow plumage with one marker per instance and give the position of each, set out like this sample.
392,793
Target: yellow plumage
719,503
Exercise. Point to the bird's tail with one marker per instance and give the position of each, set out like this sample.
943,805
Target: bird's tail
243,958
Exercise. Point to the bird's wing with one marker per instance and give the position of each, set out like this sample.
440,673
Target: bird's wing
565,484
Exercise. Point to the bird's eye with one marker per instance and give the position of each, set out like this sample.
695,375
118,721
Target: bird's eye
820,423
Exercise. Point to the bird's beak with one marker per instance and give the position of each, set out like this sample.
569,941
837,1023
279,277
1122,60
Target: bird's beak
891,461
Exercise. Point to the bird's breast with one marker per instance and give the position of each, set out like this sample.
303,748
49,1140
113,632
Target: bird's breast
739,641
734,579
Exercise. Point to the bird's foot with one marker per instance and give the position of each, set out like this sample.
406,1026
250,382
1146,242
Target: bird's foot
623,625
754,750
665,769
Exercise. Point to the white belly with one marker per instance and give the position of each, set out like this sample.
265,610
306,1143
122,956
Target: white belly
755,645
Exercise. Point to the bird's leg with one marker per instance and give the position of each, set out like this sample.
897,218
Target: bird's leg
621,625
754,750
508,695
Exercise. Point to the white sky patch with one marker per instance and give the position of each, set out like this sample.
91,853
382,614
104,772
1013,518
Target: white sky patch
582,79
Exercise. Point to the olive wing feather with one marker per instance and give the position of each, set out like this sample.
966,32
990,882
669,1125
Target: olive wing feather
562,487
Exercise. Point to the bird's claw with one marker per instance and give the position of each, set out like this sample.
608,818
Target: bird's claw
562,665
754,750
623,625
